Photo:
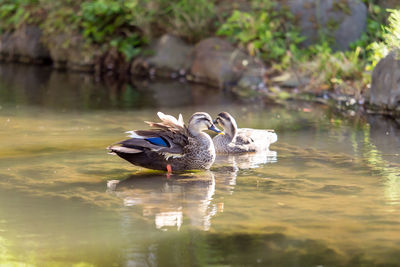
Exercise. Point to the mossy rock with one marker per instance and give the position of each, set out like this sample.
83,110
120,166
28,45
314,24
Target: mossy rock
385,87
24,45
340,21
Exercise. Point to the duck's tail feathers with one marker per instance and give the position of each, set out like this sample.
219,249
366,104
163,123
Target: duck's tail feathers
169,123
133,134
169,119
114,149
180,121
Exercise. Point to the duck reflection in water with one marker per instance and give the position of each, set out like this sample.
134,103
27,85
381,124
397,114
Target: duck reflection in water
187,197
170,201
227,166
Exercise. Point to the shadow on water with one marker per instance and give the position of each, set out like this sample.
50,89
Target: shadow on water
66,91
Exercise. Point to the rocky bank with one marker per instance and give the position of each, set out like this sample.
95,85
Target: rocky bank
215,61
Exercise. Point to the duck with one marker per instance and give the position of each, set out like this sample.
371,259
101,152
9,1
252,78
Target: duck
241,140
170,145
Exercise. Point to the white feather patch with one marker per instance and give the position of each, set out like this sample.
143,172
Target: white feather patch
171,155
170,118
133,134
122,149
180,120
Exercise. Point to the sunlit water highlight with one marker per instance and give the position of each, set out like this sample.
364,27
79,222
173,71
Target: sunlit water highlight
328,193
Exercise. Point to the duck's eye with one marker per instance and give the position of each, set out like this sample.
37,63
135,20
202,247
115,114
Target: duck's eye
206,121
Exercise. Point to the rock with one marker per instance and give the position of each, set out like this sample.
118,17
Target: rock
24,44
389,3
344,20
217,63
114,61
82,57
291,80
6,47
385,86
171,58
70,51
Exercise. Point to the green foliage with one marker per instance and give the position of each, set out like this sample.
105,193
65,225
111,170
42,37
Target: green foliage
15,12
112,22
270,32
391,38
106,23
266,31
102,18
125,25
62,17
332,69
190,19
373,33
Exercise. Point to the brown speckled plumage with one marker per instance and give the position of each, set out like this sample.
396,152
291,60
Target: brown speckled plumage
188,147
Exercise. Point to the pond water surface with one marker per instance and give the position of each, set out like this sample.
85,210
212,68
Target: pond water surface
327,194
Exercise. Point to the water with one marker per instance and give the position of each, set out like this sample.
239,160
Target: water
327,195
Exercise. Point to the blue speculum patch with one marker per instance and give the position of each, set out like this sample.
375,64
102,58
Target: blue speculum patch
158,141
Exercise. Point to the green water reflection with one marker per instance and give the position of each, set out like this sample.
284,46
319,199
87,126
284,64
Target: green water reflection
328,194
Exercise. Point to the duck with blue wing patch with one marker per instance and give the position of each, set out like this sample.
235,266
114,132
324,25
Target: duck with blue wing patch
170,144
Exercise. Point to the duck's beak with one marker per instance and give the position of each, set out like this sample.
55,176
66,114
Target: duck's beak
215,129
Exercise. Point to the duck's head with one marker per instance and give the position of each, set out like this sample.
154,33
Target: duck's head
201,121
227,122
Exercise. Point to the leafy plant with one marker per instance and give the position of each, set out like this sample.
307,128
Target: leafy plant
62,17
265,29
374,33
112,22
14,12
190,19
390,36
264,32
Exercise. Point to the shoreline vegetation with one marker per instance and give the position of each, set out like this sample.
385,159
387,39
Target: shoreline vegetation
325,51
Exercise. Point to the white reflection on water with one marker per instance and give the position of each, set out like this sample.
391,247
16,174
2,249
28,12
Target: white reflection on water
253,160
392,188
188,196
231,164
168,219
383,142
170,200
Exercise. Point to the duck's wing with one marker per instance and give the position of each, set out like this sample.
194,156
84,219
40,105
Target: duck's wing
168,138
248,136
171,120
243,137
170,124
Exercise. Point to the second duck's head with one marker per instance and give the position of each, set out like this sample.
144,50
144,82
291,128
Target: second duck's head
227,122
201,121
